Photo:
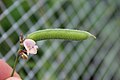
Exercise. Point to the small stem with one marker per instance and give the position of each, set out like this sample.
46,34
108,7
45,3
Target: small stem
16,61
18,55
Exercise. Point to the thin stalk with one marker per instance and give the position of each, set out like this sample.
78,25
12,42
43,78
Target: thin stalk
16,61
18,55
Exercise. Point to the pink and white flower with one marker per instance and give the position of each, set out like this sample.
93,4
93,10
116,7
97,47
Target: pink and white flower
30,46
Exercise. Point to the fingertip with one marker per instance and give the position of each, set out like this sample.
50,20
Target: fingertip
13,78
6,70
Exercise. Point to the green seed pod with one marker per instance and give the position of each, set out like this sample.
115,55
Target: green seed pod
66,34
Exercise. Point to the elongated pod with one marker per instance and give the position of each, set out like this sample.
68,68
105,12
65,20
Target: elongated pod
66,34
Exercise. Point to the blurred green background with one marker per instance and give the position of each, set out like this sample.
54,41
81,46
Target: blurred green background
58,59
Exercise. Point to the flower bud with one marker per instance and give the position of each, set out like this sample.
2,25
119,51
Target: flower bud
24,56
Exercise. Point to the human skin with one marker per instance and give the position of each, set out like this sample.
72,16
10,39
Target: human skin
6,70
13,78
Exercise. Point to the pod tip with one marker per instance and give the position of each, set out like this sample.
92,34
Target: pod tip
93,36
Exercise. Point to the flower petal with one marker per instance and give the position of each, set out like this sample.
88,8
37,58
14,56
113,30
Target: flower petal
30,46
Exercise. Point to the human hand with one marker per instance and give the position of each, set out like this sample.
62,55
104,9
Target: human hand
6,70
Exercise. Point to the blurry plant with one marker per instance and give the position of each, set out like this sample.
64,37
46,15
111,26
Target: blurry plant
28,45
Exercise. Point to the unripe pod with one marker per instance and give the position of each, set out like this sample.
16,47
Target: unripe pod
66,34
